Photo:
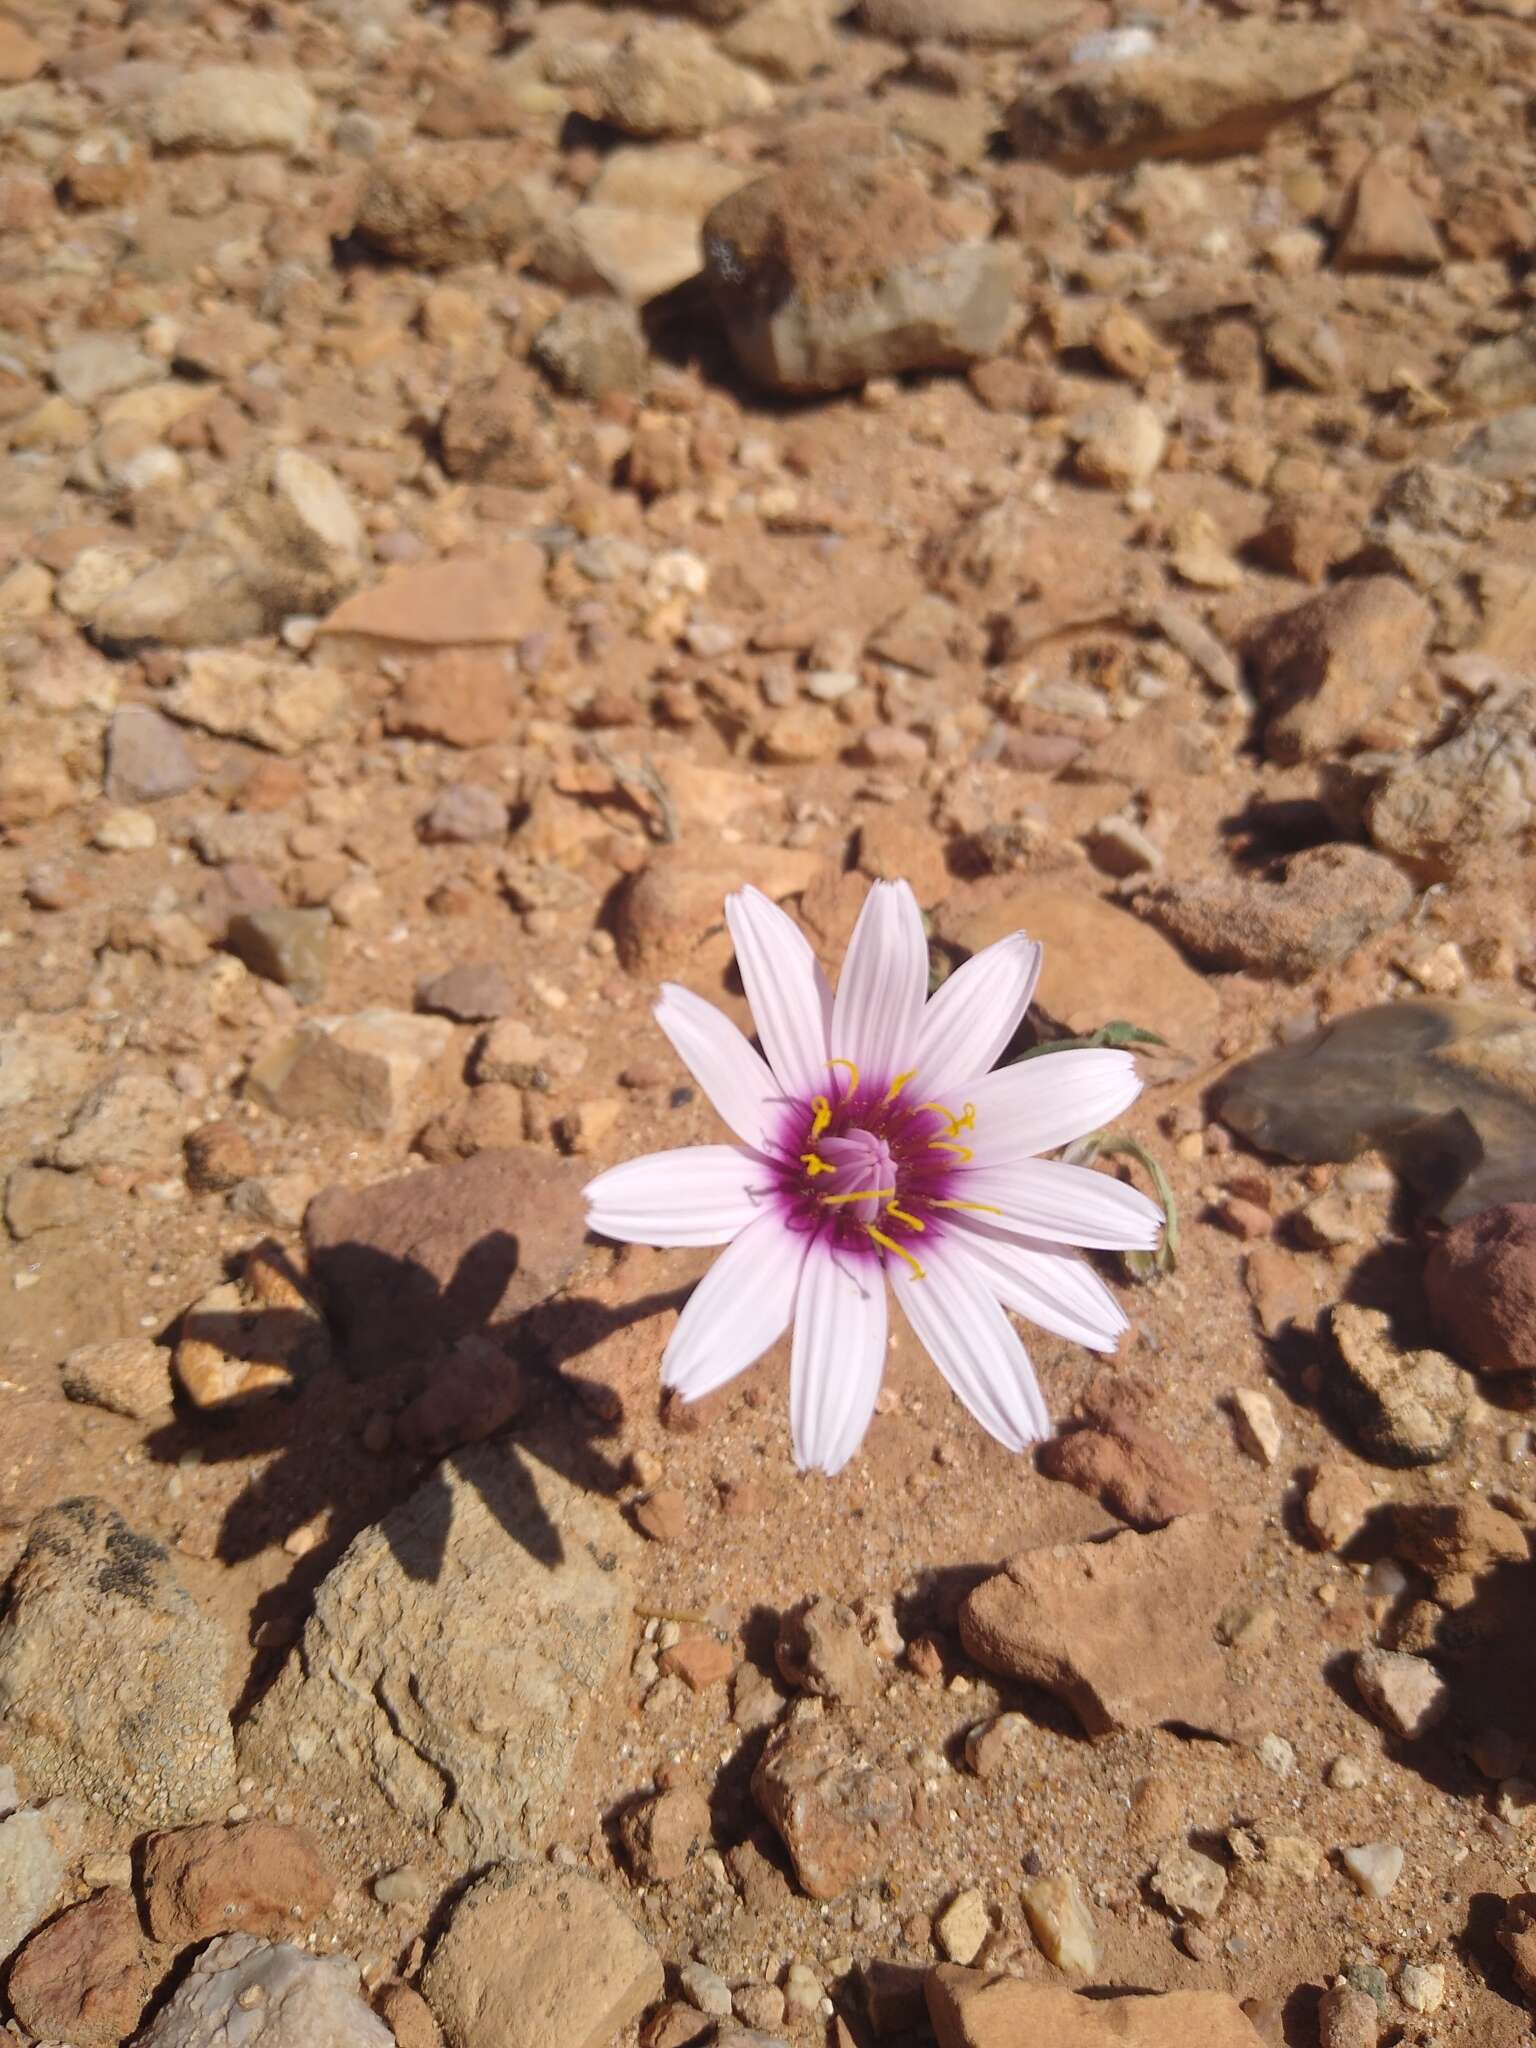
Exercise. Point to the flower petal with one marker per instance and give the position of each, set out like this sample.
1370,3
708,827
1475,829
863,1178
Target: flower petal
960,1323
790,996
734,1077
699,1194
836,1359
1050,1101
877,1015
1065,1204
972,1016
741,1305
1047,1284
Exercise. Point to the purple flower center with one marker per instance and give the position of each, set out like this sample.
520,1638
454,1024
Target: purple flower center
869,1169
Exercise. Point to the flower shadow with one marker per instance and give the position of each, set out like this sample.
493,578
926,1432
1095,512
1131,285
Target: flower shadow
441,1357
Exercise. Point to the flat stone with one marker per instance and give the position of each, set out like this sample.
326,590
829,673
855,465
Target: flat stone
536,1957
1215,90
95,366
363,1071
111,1681
829,274
148,760
493,600
234,107
475,992
1121,1630
676,903
975,2009
1406,1079
1327,902
129,1121
267,1994
1101,964
248,1877
410,1265
453,1658
280,706
1122,1459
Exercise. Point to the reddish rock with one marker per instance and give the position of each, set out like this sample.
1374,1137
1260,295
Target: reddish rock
661,1833
254,1877
833,1811
1337,1502
474,1391
408,2016
1121,1460
1481,1283
462,696
975,2009
1121,1630
1445,1538
698,1661
411,1265
1325,668
492,600
87,1976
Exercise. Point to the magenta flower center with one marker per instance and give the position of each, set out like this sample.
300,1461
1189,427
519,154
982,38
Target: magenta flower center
869,1169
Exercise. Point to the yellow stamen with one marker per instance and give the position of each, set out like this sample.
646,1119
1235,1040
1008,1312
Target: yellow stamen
823,1110
853,1072
899,1083
901,1216
814,1164
957,1124
963,1152
860,1195
890,1245
983,1208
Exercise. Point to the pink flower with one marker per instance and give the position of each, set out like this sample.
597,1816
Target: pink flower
876,1145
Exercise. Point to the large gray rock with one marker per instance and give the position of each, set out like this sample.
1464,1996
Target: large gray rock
539,1958
267,1994
111,1681
828,274
453,1657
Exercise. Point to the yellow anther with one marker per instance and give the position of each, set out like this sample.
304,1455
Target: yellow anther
890,1245
823,1110
860,1195
853,1073
963,1152
957,1124
982,1208
814,1164
901,1216
899,1083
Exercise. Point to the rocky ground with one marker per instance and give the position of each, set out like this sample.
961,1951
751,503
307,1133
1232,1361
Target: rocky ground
480,482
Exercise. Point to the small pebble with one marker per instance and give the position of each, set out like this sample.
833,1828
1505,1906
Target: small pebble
1374,1866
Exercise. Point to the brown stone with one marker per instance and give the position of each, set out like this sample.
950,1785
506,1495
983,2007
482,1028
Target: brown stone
1327,903
1518,1938
251,1877
1121,1630
661,1833
833,1811
433,208
974,2009
408,2016
492,600
1338,1499
474,1391
1327,667
1481,1283
87,1976
677,900
411,1265
462,696
1122,1460
699,1661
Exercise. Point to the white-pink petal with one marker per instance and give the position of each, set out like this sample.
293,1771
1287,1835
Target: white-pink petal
790,996
970,1018
1046,1102
960,1323
837,1358
734,1077
1065,1204
742,1304
699,1194
877,1013
1048,1284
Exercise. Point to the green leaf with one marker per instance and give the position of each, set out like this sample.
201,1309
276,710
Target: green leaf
1115,1033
